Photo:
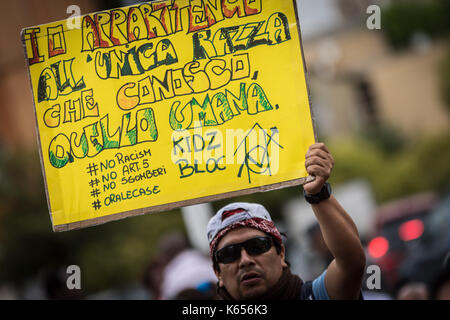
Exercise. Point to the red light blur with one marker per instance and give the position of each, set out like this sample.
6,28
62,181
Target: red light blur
411,230
378,247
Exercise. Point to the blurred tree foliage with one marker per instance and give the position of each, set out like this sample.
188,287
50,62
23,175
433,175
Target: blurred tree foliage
402,19
386,138
417,167
110,255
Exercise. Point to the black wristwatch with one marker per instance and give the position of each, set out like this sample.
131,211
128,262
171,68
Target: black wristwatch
323,194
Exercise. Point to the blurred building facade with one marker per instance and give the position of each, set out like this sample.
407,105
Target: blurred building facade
358,81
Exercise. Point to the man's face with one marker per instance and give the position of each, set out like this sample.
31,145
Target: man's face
249,276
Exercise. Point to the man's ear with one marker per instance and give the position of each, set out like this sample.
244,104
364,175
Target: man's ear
283,257
217,272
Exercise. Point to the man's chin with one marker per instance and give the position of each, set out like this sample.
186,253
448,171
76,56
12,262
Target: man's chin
253,292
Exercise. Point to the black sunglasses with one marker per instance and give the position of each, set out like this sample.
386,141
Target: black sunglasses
253,247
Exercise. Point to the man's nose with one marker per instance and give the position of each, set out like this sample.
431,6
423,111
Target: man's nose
246,259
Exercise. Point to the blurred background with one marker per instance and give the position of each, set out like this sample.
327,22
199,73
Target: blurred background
381,100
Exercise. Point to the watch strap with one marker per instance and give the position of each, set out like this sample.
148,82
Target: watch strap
323,194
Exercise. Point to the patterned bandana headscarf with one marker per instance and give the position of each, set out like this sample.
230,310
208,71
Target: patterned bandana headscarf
236,215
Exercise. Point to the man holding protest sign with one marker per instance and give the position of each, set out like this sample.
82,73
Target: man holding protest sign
260,271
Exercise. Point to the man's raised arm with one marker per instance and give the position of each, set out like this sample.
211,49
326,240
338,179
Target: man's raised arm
344,275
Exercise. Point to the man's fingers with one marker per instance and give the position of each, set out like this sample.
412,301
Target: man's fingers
318,152
320,146
313,187
318,161
321,154
318,171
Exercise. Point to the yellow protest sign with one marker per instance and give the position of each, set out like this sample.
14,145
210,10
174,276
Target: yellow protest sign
164,104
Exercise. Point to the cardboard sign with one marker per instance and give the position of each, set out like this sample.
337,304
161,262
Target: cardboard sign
165,104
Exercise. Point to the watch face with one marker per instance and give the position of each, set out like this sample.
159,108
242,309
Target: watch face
326,191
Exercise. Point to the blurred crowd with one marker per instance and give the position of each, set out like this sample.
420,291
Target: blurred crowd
179,271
